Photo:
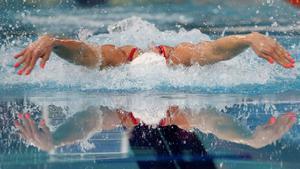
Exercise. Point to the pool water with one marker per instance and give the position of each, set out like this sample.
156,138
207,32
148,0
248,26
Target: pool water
246,89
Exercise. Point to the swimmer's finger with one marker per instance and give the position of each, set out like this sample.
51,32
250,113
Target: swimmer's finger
267,57
20,54
43,127
43,63
279,60
27,63
21,61
21,129
286,55
31,124
290,57
31,65
281,54
283,62
35,131
21,71
27,126
24,60
45,58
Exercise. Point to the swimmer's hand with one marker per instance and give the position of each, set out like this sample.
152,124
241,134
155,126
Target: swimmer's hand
29,56
273,130
267,48
40,137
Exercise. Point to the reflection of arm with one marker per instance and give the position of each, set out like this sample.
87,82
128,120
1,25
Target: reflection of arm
83,124
224,127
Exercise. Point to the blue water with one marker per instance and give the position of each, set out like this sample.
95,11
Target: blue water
246,88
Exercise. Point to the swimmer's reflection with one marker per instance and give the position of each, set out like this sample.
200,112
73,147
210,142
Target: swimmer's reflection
172,139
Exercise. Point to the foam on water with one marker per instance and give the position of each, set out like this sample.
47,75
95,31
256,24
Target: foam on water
149,71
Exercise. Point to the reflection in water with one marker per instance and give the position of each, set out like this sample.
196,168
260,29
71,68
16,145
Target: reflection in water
172,142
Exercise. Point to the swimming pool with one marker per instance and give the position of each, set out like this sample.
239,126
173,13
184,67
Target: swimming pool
245,88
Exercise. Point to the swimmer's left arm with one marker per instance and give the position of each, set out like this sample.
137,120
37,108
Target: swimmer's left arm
230,46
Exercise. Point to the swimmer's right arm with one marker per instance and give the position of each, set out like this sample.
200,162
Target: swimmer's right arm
74,51
228,47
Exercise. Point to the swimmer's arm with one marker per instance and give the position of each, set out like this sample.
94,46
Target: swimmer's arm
74,51
230,46
91,56
77,52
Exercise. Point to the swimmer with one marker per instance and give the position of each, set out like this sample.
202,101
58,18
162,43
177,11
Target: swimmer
108,55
